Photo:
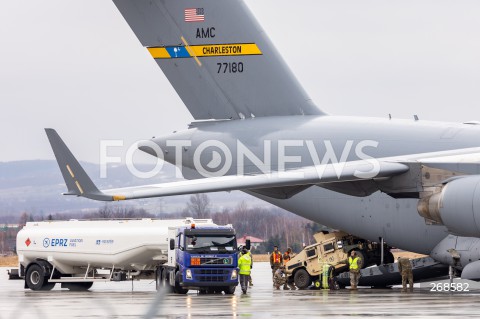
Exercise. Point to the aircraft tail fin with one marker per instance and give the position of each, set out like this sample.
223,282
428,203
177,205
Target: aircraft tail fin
77,180
217,57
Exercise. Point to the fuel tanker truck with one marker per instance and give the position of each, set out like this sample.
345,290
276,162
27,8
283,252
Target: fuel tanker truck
179,255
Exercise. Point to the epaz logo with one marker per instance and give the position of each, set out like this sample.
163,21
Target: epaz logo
55,242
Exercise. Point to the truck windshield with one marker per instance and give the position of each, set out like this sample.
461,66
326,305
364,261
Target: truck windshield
210,244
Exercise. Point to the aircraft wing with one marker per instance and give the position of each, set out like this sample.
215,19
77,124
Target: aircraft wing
305,176
79,184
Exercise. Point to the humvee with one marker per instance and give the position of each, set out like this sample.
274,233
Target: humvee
332,248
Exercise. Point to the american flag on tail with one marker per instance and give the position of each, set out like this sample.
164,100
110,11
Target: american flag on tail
194,15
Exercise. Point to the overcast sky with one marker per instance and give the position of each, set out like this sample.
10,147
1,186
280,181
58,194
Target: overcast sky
77,67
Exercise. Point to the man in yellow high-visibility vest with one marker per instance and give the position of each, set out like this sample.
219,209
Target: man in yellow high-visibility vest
250,282
245,267
354,265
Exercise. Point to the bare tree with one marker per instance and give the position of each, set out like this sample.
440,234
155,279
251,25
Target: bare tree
123,212
130,212
223,217
105,212
199,206
2,241
23,219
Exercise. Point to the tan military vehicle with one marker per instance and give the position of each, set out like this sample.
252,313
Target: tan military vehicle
332,248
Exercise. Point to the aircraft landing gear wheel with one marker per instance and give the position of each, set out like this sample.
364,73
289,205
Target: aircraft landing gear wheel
388,258
36,280
362,256
302,279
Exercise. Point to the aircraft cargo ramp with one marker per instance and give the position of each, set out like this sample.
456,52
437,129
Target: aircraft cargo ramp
424,268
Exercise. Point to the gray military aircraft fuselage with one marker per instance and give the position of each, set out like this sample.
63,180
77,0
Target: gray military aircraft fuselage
412,182
389,138
360,209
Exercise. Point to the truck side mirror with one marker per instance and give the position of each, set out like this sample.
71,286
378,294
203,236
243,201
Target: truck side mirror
248,244
172,244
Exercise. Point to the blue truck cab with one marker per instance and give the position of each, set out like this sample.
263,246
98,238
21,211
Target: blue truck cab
201,257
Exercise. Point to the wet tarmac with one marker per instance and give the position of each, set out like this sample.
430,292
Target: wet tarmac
117,300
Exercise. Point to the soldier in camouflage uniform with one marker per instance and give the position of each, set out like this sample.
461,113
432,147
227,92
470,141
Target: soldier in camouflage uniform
280,279
286,258
405,269
276,260
354,265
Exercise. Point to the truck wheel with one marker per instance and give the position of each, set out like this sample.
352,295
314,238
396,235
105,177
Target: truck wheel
179,289
35,277
77,286
302,279
164,284
158,279
230,290
47,286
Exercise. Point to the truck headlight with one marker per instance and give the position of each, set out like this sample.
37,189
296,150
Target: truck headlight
188,274
234,274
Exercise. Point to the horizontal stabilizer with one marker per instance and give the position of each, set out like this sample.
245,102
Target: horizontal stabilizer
77,180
